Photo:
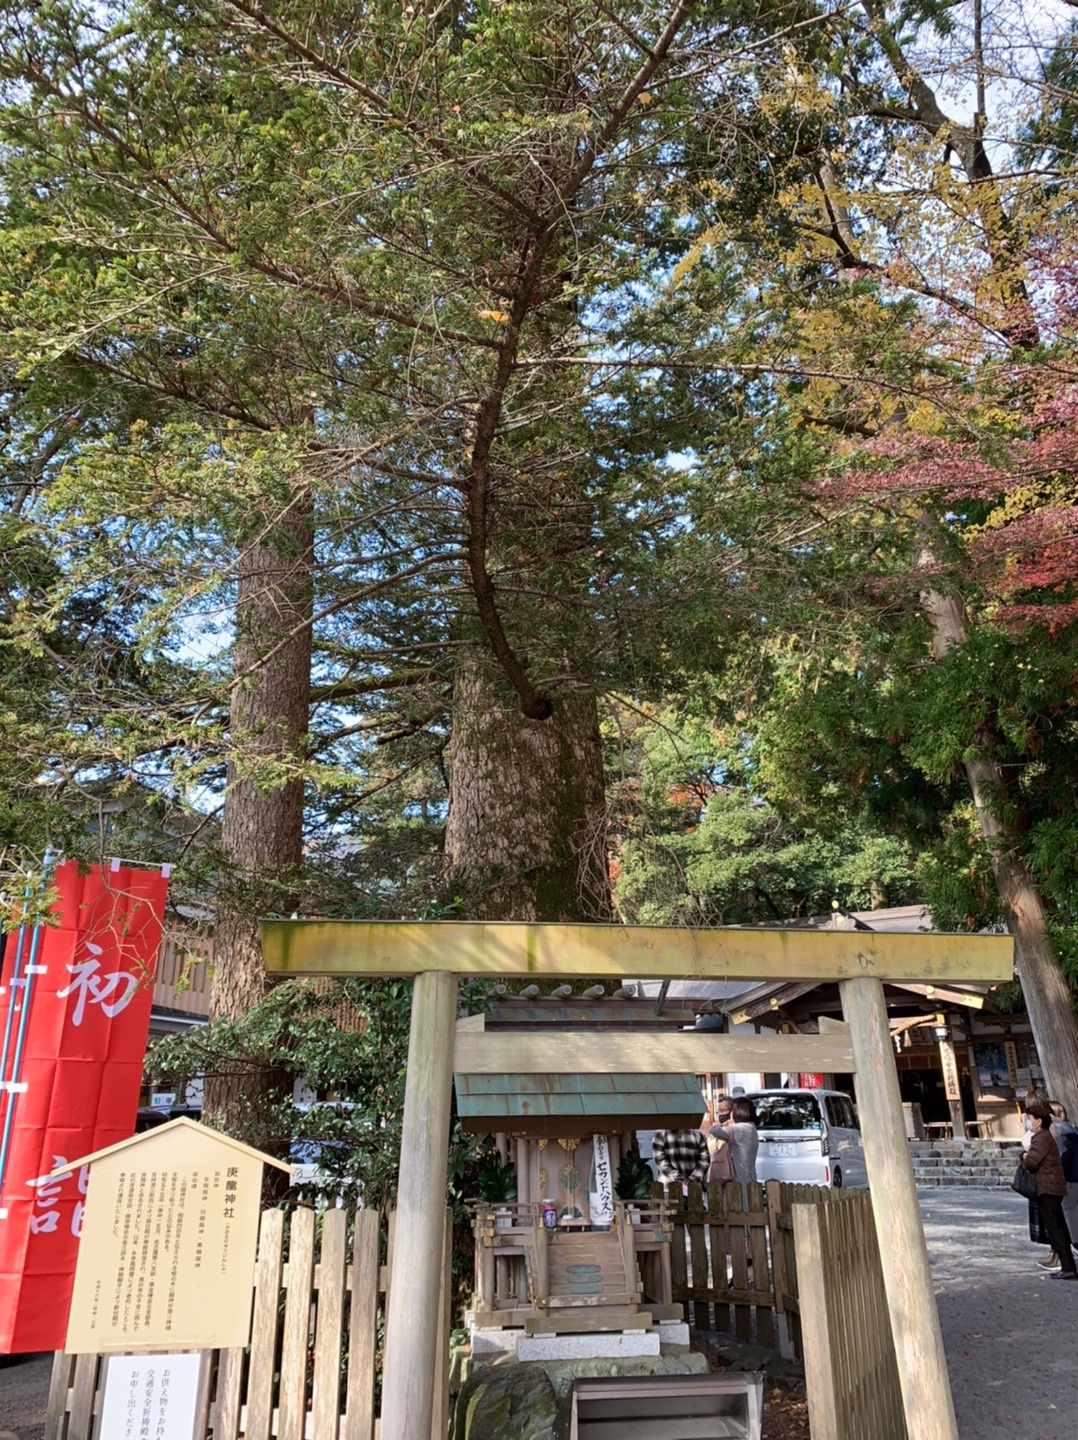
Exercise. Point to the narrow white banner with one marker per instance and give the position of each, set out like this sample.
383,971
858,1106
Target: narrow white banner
601,1199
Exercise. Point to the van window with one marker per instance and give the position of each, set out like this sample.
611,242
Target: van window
787,1112
839,1112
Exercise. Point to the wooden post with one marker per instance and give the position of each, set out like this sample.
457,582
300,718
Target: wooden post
414,1314
440,1415
541,1278
922,1364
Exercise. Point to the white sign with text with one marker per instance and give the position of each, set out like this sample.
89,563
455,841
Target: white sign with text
601,1199
151,1397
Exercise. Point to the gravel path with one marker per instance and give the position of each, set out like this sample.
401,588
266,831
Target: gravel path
1011,1333
24,1389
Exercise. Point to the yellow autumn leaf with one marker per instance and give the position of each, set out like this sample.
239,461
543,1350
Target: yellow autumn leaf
498,316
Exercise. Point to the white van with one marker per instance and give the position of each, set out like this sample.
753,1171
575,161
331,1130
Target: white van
808,1137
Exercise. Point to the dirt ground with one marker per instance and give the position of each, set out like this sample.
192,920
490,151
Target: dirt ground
24,1388
785,1406
786,1417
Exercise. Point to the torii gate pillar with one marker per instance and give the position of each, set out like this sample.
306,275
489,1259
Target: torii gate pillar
915,1325
411,1349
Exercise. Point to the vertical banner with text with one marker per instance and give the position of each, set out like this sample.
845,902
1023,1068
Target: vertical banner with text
81,1004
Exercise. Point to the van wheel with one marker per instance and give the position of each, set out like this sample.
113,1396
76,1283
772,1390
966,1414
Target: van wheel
837,1181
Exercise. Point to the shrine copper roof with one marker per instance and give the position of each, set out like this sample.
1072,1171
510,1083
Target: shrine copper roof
557,1105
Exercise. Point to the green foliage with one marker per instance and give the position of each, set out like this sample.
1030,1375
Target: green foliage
634,1178
496,1181
708,846
348,1042
641,356
1051,137
883,737
27,895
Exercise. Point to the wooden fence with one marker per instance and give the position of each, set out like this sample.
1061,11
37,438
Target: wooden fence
733,1261
311,1369
850,1366
796,1257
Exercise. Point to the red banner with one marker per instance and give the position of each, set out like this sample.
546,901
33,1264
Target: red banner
74,1019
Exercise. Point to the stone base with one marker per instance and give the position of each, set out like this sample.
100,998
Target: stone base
494,1342
498,1398
673,1332
596,1346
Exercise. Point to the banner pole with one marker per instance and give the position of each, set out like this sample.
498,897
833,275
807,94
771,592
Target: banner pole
11,1083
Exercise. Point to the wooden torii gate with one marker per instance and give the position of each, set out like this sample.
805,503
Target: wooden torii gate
436,952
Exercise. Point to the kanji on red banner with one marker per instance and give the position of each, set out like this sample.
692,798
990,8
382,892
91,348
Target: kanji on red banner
72,1086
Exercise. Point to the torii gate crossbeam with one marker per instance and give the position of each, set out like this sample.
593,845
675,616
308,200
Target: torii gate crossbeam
437,952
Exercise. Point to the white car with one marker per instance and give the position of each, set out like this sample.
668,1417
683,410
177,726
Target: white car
808,1137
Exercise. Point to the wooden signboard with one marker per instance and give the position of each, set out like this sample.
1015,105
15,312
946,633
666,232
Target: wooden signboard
949,1065
167,1253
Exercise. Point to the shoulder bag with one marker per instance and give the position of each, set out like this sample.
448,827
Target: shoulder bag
1025,1181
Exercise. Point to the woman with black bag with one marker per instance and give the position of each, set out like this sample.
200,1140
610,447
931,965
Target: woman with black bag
1042,1158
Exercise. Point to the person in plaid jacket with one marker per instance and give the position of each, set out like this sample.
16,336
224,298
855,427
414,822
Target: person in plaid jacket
680,1155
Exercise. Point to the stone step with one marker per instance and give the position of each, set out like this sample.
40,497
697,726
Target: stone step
979,1164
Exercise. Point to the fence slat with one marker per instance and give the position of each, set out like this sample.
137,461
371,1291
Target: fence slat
440,1415
679,1265
362,1329
698,1256
719,1243
82,1397
295,1345
226,1411
739,1263
59,1384
762,1276
202,1396
819,1376
264,1327
326,1398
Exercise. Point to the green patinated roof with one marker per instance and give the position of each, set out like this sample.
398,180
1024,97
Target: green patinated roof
577,1104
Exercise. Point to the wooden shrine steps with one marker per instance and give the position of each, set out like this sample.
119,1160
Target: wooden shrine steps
588,1268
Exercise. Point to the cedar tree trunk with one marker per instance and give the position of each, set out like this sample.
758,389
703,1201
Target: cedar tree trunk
525,837
262,829
1044,986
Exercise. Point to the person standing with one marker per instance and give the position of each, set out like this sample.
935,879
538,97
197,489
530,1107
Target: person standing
1066,1137
680,1156
743,1139
1042,1158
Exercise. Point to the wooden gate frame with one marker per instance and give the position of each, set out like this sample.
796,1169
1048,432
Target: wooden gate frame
436,952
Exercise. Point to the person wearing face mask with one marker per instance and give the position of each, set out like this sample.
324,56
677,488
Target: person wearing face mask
739,1132
721,1169
1042,1157
1066,1137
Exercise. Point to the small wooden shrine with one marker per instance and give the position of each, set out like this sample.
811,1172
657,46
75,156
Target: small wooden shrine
436,953
567,1254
